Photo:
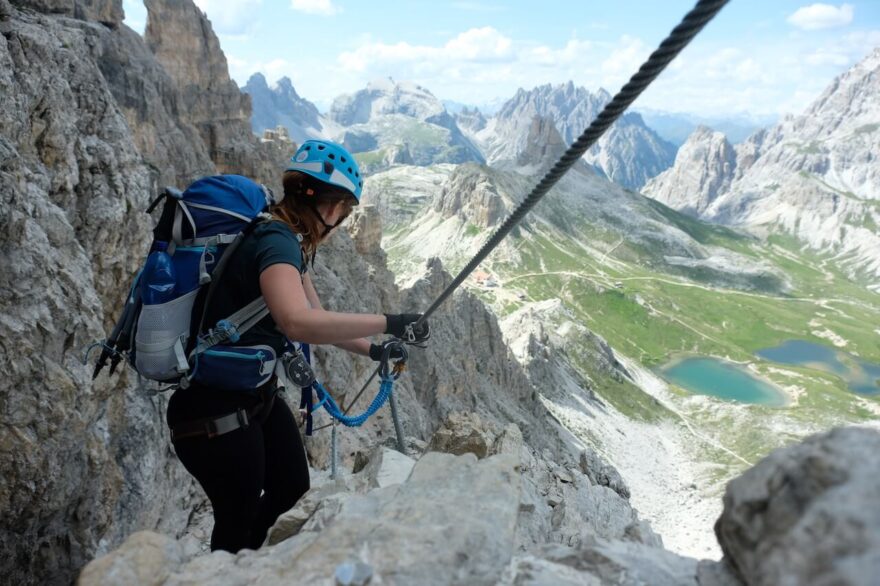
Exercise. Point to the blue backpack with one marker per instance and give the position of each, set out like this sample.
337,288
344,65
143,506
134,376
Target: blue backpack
162,331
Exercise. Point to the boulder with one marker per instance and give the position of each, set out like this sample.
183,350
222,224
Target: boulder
452,522
809,513
145,559
463,433
387,467
598,562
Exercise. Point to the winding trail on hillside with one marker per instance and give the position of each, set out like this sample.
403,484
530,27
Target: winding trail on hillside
820,301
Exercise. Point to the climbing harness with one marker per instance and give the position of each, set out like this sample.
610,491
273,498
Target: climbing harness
239,419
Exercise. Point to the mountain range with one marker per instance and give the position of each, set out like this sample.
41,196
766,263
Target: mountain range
392,122
815,176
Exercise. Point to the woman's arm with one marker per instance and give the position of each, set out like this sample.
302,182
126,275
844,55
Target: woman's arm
288,303
357,346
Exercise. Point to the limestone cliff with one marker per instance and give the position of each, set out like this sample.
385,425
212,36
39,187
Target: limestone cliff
814,176
181,37
629,153
704,168
91,125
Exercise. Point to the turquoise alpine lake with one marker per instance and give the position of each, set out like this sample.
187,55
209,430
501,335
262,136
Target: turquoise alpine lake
722,379
860,376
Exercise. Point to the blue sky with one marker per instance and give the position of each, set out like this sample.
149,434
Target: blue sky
760,57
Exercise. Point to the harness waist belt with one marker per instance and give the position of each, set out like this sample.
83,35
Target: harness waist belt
214,426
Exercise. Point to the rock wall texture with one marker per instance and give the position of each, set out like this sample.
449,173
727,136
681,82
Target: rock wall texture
807,514
82,464
91,124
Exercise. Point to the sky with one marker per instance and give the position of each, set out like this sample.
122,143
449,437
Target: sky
761,57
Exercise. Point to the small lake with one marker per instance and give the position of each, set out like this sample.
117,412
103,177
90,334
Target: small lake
860,375
722,379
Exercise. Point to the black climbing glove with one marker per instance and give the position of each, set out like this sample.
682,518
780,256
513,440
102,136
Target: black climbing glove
376,351
402,325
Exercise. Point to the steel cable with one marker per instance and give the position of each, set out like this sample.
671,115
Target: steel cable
692,23
681,35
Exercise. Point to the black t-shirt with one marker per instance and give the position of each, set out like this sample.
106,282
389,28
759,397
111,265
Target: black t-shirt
270,243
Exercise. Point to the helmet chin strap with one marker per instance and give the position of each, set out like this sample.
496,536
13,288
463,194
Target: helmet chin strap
327,227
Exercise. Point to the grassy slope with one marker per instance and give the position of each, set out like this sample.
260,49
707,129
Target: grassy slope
651,315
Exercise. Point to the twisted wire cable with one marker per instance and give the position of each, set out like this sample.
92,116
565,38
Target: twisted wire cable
678,39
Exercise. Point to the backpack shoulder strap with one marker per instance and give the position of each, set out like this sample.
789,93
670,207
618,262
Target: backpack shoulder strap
203,300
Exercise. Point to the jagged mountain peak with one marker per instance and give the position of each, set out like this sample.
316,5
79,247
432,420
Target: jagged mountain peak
257,79
629,154
547,97
284,87
382,97
808,175
704,167
281,105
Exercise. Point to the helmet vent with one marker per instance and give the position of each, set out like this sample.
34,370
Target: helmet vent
320,147
343,159
331,156
308,147
328,168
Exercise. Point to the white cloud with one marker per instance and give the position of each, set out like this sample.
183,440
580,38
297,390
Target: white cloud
476,45
623,61
231,18
479,44
479,65
820,16
322,7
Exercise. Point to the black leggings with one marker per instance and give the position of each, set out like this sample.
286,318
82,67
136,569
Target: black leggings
236,467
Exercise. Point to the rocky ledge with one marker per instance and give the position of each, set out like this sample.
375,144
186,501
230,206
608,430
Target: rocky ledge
806,514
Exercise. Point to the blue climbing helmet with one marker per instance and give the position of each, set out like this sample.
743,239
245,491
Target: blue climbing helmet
330,163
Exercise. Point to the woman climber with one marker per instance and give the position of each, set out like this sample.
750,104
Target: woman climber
257,469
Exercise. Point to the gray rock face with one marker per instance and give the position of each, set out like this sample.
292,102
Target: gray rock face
180,36
91,124
807,514
814,176
392,122
602,563
629,153
704,168
107,12
282,106
471,194
83,464
470,121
